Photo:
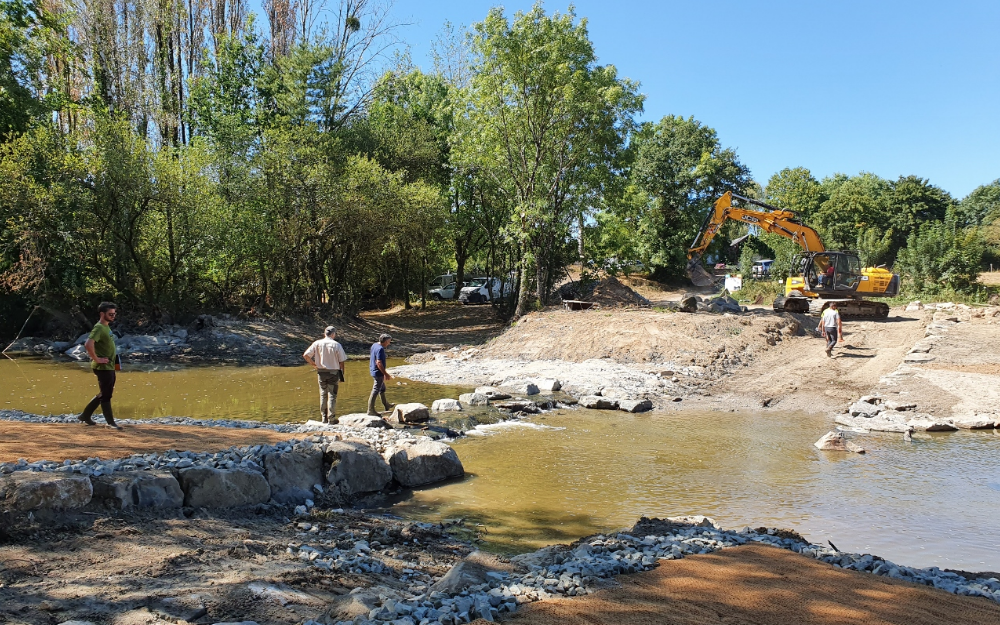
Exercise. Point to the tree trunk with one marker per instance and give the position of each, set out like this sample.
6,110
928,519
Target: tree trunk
524,299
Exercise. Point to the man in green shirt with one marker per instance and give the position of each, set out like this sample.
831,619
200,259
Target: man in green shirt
100,347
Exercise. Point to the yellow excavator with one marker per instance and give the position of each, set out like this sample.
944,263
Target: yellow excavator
819,276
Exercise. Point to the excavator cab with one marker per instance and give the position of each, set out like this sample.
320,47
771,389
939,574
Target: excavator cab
827,274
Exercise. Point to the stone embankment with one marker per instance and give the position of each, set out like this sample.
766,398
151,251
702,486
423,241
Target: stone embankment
335,465
949,380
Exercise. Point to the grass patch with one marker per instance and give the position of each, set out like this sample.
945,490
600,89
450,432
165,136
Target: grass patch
765,290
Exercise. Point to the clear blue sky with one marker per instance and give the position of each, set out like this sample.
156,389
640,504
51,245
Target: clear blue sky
887,86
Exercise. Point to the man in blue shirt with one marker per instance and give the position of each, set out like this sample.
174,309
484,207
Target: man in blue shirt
376,367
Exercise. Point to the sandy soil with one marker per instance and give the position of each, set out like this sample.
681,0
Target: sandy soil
56,441
760,585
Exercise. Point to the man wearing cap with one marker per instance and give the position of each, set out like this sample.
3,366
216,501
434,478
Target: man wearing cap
327,356
376,366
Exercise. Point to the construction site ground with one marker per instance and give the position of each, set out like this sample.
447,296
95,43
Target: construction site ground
131,569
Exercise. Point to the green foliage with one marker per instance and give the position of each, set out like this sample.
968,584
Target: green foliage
941,255
982,206
796,190
683,169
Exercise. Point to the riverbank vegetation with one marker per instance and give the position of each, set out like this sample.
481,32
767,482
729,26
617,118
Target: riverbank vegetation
181,157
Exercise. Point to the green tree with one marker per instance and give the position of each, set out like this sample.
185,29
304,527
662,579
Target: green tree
683,169
855,205
796,190
544,122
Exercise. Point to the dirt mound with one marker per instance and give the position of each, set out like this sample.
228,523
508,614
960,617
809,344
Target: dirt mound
716,342
607,292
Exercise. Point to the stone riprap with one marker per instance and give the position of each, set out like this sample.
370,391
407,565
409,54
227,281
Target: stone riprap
288,472
573,570
874,413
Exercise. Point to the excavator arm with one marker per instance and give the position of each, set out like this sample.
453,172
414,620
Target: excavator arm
776,220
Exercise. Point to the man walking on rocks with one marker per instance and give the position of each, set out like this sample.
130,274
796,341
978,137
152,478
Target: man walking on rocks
831,327
100,347
377,368
327,357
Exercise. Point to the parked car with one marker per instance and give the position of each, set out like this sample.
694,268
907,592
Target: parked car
761,268
442,287
483,290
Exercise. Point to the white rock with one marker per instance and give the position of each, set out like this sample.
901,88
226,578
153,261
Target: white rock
474,399
446,405
836,441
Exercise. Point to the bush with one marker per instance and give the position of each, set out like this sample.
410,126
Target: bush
941,256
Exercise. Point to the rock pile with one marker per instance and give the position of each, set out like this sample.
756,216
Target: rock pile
291,472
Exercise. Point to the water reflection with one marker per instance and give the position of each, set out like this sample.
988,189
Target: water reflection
272,394
923,503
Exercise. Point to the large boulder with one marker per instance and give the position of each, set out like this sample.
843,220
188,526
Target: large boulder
410,413
446,405
974,421
205,487
361,420
688,304
474,399
355,468
28,491
423,463
635,405
548,385
596,402
291,475
138,489
864,409
836,441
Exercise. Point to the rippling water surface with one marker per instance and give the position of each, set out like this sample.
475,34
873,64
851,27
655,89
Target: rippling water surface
934,501
560,476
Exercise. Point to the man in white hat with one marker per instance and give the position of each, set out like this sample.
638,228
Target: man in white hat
327,356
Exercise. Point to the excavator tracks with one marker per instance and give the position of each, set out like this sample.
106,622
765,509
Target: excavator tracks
849,308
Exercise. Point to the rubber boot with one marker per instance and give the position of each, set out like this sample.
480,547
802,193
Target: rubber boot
88,412
109,414
371,405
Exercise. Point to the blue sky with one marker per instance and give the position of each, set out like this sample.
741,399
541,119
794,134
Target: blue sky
885,86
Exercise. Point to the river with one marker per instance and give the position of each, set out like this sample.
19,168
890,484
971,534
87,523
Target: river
569,473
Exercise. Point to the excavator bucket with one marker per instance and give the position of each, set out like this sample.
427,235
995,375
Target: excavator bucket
698,274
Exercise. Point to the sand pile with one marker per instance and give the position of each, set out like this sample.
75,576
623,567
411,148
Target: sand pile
607,292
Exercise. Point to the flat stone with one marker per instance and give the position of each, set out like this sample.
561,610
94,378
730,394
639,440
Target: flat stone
474,399
361,420
523,388
635,405
410,413
927,423
27,491
291,475
864,409
974,422
918,357
425,462
836,441
138,489
492,393
518,405
900,406
223,488
446,405
355,468
596,402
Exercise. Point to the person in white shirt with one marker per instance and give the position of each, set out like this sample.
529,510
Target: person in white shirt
831,327
327,356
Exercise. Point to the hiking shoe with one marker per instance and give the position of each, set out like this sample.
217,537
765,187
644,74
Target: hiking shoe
86,419
112,424
374,414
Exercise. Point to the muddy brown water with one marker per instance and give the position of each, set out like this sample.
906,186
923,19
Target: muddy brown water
570,473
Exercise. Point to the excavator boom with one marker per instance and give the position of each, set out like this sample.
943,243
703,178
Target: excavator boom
778,221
